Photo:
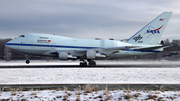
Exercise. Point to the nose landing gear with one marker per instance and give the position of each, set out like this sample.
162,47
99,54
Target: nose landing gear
27,59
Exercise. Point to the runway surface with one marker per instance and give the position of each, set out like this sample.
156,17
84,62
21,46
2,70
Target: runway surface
100,64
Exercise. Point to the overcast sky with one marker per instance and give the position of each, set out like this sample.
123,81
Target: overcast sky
118,19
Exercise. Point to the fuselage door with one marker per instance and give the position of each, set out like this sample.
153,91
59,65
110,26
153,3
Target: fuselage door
53,46
32,45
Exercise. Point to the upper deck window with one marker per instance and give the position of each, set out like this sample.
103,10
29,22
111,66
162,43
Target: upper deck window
22,36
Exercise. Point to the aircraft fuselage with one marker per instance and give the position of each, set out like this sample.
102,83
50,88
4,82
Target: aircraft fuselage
45,45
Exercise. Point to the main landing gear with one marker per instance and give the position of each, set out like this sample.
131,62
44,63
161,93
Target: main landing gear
92,63
84,63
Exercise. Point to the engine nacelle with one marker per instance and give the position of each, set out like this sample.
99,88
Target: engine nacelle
63,56
165,42
91,54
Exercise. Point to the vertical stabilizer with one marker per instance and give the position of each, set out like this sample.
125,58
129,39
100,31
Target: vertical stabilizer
152,32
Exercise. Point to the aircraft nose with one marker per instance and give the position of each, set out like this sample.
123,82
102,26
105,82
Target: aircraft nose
8,44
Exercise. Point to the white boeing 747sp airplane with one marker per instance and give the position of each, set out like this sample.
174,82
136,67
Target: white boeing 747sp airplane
143,42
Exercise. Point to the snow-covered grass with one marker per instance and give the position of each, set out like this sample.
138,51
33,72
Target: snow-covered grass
88,75
90,94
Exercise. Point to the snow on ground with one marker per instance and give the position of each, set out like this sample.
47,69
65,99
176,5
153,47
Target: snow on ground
90,95
90,75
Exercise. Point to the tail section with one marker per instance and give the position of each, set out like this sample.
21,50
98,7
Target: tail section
152,32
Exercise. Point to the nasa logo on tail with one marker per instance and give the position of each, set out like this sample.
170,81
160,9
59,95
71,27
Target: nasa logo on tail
153,31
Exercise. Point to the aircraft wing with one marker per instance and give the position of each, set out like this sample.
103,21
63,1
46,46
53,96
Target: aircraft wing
76,51
120,48
108,50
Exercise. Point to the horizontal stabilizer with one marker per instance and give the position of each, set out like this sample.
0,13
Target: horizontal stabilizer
152,48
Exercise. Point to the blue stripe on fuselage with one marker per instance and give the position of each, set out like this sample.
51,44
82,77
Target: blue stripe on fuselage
57,46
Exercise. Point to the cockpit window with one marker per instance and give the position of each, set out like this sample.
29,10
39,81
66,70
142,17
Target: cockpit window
22,36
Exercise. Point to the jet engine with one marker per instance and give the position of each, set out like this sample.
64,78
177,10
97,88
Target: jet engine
63,56
165,42
91,54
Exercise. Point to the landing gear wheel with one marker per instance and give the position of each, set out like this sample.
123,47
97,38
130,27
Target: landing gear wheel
83,64
27,61
92,63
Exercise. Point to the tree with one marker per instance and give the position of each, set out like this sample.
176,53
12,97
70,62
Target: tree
2,47
7,54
